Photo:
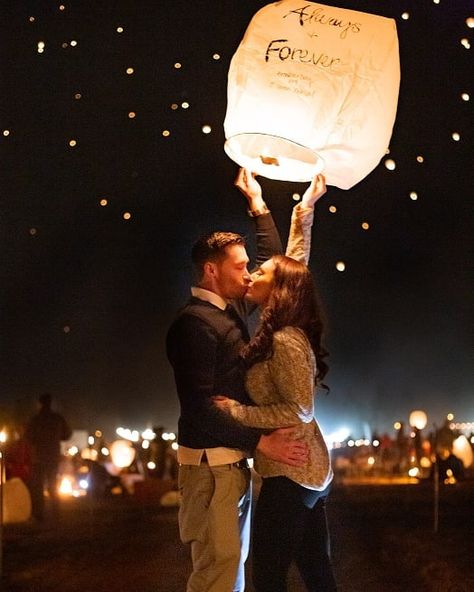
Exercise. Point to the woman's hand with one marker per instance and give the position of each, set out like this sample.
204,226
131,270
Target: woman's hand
315,191
250,187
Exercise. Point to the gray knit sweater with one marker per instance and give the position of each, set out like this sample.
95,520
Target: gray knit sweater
283,388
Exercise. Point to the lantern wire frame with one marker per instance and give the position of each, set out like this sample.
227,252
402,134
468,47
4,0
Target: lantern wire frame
274,157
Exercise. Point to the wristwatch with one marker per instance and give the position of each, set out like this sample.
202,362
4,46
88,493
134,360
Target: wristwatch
259,211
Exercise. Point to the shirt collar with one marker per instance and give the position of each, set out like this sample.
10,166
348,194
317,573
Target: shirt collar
209,296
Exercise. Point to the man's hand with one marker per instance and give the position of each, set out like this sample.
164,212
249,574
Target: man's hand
250,187
280,447
316,189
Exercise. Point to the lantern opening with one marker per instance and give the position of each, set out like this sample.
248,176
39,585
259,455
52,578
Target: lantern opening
274,157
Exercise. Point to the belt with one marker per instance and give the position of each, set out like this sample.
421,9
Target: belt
243,463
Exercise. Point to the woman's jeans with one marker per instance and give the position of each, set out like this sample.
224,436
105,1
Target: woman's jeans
290,525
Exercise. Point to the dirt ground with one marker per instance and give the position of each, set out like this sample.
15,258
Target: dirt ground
382,541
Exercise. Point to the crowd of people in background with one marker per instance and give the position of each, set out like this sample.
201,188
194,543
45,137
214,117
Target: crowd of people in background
35,457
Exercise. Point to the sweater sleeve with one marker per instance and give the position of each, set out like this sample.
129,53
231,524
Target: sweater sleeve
299,240
292,372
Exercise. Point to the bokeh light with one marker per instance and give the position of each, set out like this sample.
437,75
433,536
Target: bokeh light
296,196
390,164
365,225
340,266
165,133
127,216
465,96
420,159
413,195
456,136
206,129
405,16
332,209
72,143
130,71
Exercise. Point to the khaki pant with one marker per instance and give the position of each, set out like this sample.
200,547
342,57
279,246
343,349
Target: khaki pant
214,517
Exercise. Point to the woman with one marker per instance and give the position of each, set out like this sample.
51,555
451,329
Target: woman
285,361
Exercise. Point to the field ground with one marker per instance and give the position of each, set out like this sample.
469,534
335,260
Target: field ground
382,541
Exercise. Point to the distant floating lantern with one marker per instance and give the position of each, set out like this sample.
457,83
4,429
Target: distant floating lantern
418,419
122,453
313,88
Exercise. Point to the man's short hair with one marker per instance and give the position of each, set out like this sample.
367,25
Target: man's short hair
211,247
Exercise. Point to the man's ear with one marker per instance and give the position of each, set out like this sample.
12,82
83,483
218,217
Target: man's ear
209,269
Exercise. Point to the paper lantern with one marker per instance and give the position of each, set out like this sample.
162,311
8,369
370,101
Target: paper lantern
311,89
122,453
462,449
16,501
418,419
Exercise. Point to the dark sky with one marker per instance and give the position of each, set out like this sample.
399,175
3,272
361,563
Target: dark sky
87,296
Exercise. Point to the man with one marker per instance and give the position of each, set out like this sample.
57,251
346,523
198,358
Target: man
44,432
204,344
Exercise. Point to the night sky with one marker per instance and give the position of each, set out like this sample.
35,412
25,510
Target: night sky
87,296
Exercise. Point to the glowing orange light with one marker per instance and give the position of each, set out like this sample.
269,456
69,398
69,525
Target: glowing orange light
130,71
165,133
127,216
332,209
132,115
177,65
72,143
103,202
365,225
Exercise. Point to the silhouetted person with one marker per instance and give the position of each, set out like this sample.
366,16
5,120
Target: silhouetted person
44,432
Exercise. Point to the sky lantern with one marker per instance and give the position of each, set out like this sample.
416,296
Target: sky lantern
313,88
462,449
418,419
122,453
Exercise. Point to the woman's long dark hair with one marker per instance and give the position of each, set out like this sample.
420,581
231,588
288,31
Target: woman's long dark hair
293,302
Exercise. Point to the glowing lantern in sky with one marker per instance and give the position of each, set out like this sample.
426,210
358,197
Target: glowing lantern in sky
122,453
418,419
313,88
